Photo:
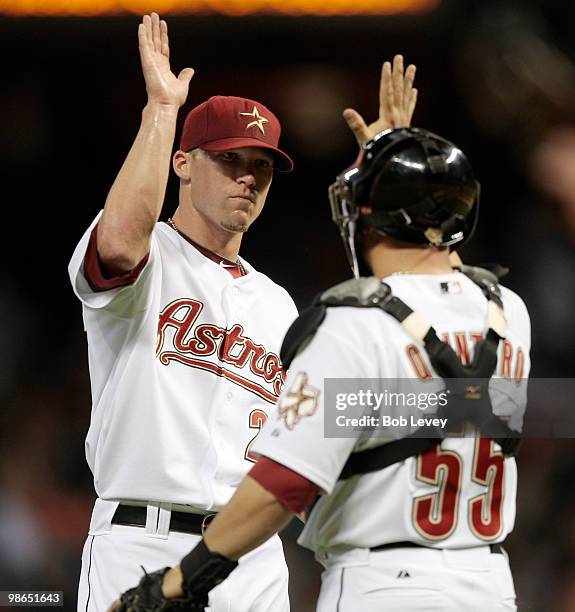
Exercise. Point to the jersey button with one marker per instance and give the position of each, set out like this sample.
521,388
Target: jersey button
229,396
235,291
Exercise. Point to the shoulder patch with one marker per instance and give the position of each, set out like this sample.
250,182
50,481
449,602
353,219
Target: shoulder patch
300,401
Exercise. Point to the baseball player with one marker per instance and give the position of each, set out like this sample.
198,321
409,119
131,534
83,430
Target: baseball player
404,522
183,338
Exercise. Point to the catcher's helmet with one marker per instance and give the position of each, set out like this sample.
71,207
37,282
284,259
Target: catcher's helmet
410,185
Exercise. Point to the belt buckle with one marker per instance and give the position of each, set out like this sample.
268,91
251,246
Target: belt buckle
208,518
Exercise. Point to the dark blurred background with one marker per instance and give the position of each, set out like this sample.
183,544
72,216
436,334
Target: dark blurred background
497,78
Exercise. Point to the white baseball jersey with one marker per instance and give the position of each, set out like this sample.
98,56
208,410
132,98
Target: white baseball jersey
460,495
184,368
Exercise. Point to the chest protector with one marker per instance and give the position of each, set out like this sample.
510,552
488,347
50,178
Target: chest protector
467,385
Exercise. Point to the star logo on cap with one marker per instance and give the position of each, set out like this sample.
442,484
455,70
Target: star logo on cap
258,120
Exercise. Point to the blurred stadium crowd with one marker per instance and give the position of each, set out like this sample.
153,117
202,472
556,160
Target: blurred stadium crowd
497,78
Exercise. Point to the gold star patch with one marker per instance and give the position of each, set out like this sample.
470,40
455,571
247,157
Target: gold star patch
298,402
258,120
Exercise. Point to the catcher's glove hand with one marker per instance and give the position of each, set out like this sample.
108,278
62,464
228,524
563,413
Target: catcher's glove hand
148,597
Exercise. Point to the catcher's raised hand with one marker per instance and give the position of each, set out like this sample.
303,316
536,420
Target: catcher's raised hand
162,85
397,99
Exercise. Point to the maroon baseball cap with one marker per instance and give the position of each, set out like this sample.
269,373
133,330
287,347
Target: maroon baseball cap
223,123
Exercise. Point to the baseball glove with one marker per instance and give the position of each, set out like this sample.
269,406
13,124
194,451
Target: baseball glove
148,597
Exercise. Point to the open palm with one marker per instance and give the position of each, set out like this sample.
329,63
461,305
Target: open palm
162,85
397,100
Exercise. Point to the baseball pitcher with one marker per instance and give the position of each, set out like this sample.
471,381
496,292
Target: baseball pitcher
183,339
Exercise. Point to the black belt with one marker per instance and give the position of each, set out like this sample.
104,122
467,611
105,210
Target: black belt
494,548
186,522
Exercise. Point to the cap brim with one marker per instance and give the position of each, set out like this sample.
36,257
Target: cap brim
283,163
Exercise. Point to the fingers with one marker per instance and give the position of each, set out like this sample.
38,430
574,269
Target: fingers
397,81
397,95
165,45
408,82
142,36
153,33
186,75
402,81
411,106
145,34
145,43
153,38
147,26
357,125
385,91
397,100
156,35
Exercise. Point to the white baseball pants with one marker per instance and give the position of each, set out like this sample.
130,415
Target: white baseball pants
417,580
113,556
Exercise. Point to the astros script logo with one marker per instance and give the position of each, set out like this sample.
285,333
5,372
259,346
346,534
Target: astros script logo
193,345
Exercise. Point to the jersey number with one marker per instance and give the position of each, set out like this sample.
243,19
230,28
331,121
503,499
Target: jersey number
257,420
435,515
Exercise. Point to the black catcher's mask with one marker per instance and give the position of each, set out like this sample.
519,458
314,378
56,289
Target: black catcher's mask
410,185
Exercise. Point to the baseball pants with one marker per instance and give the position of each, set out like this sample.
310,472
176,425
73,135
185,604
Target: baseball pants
113,557
417,580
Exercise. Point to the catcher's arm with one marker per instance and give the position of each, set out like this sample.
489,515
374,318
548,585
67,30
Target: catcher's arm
397,100
252,516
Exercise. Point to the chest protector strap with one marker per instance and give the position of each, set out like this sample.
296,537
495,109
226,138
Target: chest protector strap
467,384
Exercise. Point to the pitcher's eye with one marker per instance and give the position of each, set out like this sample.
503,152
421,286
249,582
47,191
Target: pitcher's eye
264,163
228,156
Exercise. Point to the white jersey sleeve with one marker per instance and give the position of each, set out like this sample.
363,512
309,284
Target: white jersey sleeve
294,434
126,301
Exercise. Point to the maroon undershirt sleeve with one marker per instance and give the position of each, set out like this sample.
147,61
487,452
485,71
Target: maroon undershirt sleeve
97,277
290,488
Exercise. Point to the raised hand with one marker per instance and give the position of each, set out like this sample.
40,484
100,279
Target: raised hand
162,85
397,99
